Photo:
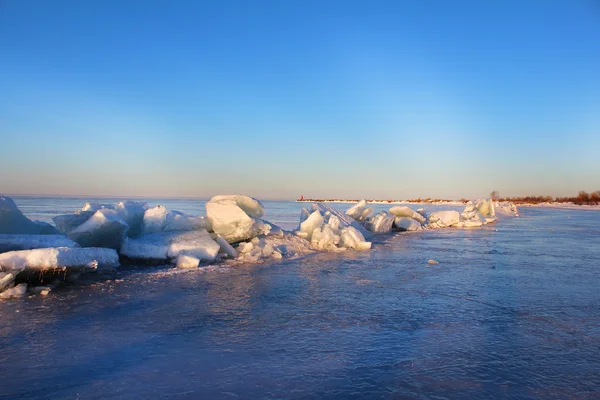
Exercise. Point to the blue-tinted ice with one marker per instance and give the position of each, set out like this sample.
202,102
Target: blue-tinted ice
512,310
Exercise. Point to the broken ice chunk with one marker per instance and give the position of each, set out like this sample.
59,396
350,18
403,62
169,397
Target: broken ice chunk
69,222
17,291
252,207
485,207
381,223
352,238
404,211
360,211
132,212
226,247
168,245
443,219
46,228
406,224
103,229
178,221
12,219
314,221
345,220
6,280
154,219
186,261
236,217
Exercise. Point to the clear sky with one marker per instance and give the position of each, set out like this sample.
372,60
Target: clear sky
379,99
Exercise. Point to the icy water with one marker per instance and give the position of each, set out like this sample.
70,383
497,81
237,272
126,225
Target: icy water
512,311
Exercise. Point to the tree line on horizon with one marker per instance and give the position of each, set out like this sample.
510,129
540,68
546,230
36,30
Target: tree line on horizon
582,198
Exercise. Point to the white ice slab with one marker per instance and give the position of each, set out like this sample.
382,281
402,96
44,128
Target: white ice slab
27,242
59,257
168,245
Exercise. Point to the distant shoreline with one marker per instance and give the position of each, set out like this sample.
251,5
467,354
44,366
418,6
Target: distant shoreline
440,202
555,205
561,206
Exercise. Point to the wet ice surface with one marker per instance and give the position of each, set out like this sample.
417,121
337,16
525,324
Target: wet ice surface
513,313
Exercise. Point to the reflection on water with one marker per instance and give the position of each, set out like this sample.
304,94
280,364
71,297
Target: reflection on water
511,311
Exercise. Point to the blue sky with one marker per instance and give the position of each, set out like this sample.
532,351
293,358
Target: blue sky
380,99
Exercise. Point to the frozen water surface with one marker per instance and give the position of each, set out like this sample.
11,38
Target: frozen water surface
512,310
